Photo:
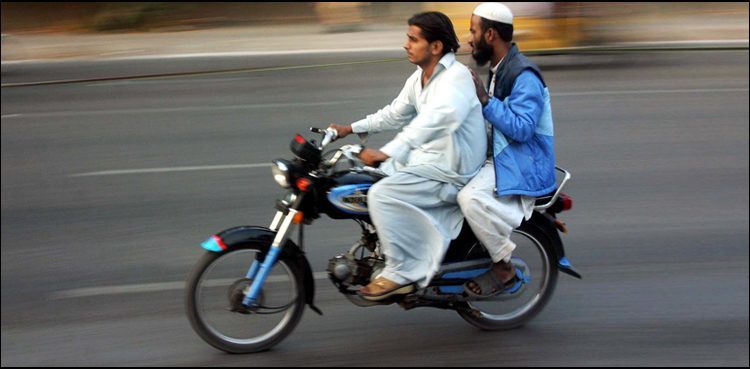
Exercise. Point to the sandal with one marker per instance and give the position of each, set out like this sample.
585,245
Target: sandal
489,282
382,288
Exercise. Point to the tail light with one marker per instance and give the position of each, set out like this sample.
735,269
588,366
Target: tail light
563,203
567,202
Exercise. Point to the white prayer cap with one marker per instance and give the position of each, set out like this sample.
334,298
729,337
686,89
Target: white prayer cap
495,12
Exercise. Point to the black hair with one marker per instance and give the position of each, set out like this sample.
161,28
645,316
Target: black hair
436,26
505,30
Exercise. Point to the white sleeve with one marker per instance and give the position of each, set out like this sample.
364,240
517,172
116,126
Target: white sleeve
394,116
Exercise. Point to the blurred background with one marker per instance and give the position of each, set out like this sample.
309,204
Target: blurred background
131,132
99,29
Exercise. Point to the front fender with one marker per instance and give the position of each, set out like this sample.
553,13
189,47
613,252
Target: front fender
232,238
261,238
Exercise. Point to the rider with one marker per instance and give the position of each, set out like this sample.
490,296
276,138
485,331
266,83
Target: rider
441,146
521,163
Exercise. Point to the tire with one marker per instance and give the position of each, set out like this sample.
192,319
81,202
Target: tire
202,324
537,297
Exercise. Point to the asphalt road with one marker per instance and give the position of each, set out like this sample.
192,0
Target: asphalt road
109,187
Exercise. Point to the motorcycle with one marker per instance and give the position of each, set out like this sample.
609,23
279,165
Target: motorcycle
249,290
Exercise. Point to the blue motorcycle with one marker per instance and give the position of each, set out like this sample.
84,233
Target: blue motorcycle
249,291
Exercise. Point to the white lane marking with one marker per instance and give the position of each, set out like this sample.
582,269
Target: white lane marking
220,72
283,105
155,287
133,82
173,110
255,53
170,169
639,92
105,58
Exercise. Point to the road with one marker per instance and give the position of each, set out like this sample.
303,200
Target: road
109,187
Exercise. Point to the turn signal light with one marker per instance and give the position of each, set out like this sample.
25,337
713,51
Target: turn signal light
298,218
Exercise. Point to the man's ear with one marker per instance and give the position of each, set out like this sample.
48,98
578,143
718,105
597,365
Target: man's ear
489,35
436,47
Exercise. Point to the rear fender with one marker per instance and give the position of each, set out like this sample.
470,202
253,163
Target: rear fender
542,226
261,238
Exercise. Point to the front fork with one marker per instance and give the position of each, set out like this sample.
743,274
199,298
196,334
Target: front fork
281,224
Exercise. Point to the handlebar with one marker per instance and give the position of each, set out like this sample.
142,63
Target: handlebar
351,152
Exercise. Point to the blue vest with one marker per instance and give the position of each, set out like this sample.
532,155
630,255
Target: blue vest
513,64
528,167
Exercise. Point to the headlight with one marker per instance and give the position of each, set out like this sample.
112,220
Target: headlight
280,171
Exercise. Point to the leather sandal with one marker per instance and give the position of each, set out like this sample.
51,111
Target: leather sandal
491,286
382,288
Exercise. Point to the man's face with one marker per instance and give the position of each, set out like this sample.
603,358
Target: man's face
417,47
481,51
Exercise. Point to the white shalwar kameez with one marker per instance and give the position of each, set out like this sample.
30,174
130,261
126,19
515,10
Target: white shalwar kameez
441,147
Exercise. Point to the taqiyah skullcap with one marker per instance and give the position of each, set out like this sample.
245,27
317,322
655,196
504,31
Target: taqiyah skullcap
495,12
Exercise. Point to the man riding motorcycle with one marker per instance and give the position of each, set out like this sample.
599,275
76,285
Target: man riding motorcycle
441,147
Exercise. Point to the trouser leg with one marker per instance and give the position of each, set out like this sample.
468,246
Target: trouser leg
491,218
413,225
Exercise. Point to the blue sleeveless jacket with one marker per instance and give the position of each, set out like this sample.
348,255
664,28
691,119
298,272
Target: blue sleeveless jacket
523,136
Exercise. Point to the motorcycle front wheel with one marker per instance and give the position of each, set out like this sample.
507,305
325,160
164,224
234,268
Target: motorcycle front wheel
214,294
531,256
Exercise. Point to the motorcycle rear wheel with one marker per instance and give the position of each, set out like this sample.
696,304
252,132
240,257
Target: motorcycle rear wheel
503,314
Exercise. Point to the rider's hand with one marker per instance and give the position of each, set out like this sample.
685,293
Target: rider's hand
479,85
342,131
372,157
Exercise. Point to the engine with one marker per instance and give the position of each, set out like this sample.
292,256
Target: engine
345,270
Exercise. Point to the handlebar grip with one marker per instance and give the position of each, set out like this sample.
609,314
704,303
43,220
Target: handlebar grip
326,140
329,135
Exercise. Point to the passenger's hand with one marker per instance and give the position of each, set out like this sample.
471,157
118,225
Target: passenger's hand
343,131
479,85
372,157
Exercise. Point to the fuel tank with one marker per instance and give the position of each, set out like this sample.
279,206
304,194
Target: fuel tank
347,196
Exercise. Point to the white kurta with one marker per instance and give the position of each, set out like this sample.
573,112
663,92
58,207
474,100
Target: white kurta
441,147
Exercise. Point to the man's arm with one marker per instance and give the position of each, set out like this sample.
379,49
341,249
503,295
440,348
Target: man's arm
393,116
518,115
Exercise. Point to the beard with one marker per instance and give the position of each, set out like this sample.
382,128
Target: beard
482,52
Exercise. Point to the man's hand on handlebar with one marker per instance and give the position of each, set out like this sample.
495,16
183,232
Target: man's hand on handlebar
372,157
343,131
